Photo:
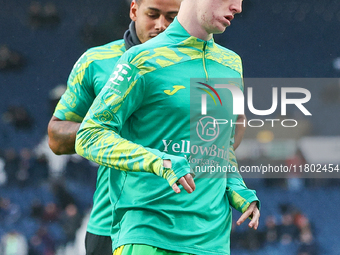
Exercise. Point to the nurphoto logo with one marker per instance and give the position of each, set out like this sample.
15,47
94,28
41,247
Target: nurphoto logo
239,104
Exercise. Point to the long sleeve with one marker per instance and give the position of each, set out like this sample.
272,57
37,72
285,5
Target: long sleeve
88,76
99,139
79,94
238,193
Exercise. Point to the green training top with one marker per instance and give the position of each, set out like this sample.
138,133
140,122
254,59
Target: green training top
86,80
150,110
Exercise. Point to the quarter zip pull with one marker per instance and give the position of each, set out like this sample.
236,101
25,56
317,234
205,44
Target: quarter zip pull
204,67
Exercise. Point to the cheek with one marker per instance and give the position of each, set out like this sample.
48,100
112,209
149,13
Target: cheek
148,24
208,19
213,16
143,24
151,24
205,19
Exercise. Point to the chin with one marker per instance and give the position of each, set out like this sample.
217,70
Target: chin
219,30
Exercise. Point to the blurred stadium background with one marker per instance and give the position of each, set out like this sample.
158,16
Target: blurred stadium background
45,199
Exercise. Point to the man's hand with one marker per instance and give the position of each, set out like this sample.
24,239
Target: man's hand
254,213
187,182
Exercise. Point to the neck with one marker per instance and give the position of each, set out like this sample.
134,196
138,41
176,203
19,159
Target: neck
187,17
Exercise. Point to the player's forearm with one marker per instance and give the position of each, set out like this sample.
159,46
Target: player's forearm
238,193
105,147
236,188
239,130
62,136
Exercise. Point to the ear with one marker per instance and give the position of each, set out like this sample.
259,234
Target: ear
133,10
